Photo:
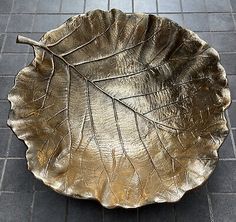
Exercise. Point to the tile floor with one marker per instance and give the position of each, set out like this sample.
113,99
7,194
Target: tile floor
23,198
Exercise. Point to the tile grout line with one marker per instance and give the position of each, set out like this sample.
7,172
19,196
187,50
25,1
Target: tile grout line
231,12
38,191
32,203
4,41
12,158
33,22
210,207
6,76
3,100
84,9
174,212
12,192
231,132
221,193
108,4
60,7
8,21
227,159
182,13
3,128
157,7
17,53
10,135
208,21
133,6
5,161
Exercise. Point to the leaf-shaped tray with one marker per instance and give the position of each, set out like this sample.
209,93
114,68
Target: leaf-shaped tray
125,109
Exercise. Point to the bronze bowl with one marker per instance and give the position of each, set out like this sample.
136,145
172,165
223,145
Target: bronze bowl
124,109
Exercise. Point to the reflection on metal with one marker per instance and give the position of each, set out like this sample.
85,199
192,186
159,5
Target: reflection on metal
124,109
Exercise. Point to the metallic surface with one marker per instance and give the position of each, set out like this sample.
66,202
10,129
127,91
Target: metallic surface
125,109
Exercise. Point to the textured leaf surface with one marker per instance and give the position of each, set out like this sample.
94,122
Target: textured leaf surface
126,109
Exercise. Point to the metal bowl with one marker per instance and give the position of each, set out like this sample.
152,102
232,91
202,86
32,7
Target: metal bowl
124,109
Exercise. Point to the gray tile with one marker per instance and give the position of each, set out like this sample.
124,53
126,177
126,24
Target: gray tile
148,6
10,64
174,17
193,6
40,186
4,135
17,177
101,4
24,6
6,84
224,42
218,5
228,61
49,206
3,22
45,7
226,149
17,147
2,36
4,109
233,4
196,22
29,58
15,207
12,46
118,214
223,180
206,36
123,5
44,23
224,207
64,18
221,22
6,6
20,23
232,85
157,213
36,36
232,116
169,6
72,6
84,211
195,203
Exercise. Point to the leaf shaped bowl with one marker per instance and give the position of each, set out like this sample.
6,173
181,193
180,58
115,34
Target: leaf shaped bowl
124,109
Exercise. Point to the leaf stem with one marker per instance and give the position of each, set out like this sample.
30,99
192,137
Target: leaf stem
25,40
